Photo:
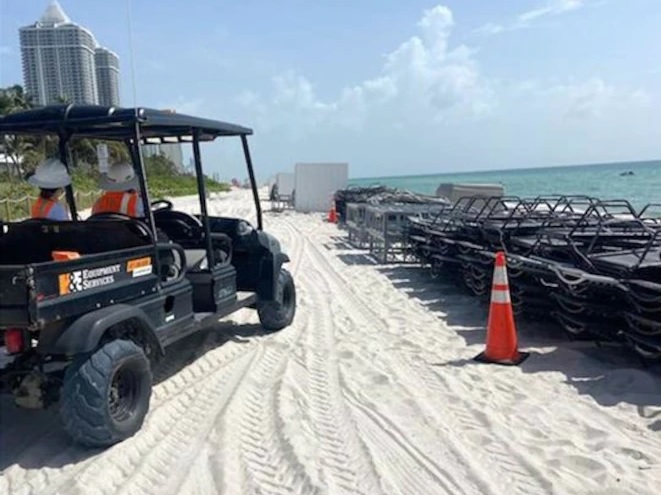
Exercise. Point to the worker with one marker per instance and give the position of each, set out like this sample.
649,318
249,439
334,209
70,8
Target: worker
121,192
51,177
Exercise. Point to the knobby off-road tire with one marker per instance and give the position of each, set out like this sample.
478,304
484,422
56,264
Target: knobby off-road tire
105,395
279,313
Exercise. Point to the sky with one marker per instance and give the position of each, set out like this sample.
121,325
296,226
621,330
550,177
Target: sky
392,87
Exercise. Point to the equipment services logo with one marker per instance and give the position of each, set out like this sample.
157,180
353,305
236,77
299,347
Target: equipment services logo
82,280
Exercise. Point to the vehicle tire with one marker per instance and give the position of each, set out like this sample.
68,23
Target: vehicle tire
279,313
105,395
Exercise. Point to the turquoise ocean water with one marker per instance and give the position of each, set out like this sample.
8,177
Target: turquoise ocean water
600,180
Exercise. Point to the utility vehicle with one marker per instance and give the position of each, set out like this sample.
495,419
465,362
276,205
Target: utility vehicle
87,331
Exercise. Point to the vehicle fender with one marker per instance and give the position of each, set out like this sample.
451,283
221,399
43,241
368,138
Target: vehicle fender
270,271
270,264
84,334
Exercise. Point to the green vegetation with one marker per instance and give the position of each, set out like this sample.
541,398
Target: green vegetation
25,152
20,194
16,197
165,180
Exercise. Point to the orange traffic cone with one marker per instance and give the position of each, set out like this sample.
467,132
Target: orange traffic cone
502,341
332,215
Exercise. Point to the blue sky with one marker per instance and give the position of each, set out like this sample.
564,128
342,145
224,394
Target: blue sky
391,86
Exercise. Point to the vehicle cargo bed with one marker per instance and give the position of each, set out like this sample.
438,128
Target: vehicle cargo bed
39,293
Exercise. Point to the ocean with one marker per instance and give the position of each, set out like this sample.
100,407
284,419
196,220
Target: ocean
599,180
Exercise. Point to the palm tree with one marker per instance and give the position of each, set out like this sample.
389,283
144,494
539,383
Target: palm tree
25,152
14,99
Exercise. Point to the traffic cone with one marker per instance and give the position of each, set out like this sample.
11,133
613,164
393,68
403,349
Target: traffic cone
332,215
502,341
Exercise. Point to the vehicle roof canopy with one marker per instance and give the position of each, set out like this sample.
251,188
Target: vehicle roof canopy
113,123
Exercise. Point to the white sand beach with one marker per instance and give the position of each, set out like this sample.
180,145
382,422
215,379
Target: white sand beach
372,390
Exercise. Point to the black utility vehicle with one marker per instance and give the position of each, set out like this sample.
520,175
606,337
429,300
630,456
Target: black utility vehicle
88,331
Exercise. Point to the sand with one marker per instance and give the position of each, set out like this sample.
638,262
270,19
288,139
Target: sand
371,390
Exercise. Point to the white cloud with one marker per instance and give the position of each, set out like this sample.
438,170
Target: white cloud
293,106
422,80
578,101
526,19
490,29
594,98
585,100
431,108
553,7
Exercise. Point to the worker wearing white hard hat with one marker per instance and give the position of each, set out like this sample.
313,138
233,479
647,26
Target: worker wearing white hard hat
121,192
51,177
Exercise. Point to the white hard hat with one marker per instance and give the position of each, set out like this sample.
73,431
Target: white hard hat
120,177
50,174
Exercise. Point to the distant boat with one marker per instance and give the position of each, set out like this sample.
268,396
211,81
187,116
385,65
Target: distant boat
628,172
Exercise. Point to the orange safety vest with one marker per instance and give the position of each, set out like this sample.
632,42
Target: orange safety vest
117,202
42,207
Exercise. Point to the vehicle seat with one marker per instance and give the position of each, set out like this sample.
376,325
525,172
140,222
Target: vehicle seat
222,243
196,259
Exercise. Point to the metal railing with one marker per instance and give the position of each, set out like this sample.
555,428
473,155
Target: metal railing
15,209
12,209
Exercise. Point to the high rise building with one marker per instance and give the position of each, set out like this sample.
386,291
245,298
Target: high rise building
107,76
60,62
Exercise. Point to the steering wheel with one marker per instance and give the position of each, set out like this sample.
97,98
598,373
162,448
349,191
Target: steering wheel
142,227
161,204
178,225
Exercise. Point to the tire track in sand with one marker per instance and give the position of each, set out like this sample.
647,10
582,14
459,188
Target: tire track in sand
146,461
268,455
345,462
512,465
38,481
266,462
345,459
506,468
412,469
387,441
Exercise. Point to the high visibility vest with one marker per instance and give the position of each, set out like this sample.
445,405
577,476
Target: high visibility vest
42,207
122,202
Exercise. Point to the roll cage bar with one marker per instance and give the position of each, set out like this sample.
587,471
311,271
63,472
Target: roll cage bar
133,127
